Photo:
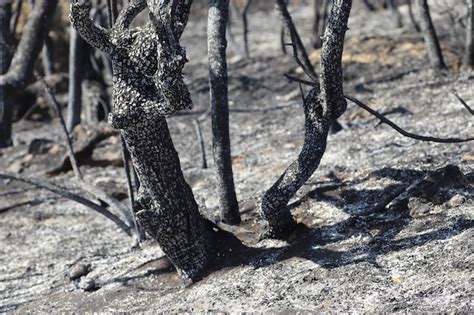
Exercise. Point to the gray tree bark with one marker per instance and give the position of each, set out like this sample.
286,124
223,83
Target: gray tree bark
147,86
429,35
469,51
22,64
5,59
217,44
322,105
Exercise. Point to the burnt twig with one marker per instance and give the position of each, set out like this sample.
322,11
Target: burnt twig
71,196
463,102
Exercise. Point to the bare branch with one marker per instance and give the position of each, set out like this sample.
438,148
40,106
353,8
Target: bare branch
96,36
387,121
71,196
463,102
131,10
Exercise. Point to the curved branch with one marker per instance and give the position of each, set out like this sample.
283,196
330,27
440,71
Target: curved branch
387,121
131,10
71,196
96,36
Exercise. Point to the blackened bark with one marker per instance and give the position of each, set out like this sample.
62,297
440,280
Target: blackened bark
322,106
77,55
469,51
30,45
5,59
147,85
217,20
429,36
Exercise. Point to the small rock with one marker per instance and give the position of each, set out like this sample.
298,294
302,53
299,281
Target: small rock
78,271
456,200
87,284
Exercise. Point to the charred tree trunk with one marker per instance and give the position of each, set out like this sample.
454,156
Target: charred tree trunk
147,86
429,36
469,52
23,61
322,106
77,56
217,20
5,59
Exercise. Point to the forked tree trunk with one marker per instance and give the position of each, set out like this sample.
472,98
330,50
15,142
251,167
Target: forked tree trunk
322,106
5,59
429,35
469,52
147,86
216,25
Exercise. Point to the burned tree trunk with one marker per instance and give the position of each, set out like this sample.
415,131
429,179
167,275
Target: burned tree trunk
22,64
469,52
429,36
147,86
217,20
5,59
323,104
77,56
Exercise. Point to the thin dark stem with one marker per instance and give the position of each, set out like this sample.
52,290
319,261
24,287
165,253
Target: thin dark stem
71,196
403,132
56,108
463,102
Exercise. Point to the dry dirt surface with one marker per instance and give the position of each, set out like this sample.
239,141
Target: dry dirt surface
386,222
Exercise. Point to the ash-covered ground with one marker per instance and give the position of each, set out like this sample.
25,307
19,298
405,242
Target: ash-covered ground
353,252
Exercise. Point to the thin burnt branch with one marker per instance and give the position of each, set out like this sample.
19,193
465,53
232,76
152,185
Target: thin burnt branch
301,54
51,99
403,132
463,102
64,192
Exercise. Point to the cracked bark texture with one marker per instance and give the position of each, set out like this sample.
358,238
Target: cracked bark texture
217,44
148,85
429,36
322,106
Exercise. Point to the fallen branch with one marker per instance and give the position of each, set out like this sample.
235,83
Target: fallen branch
385,120
463,102
390,123
71,196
